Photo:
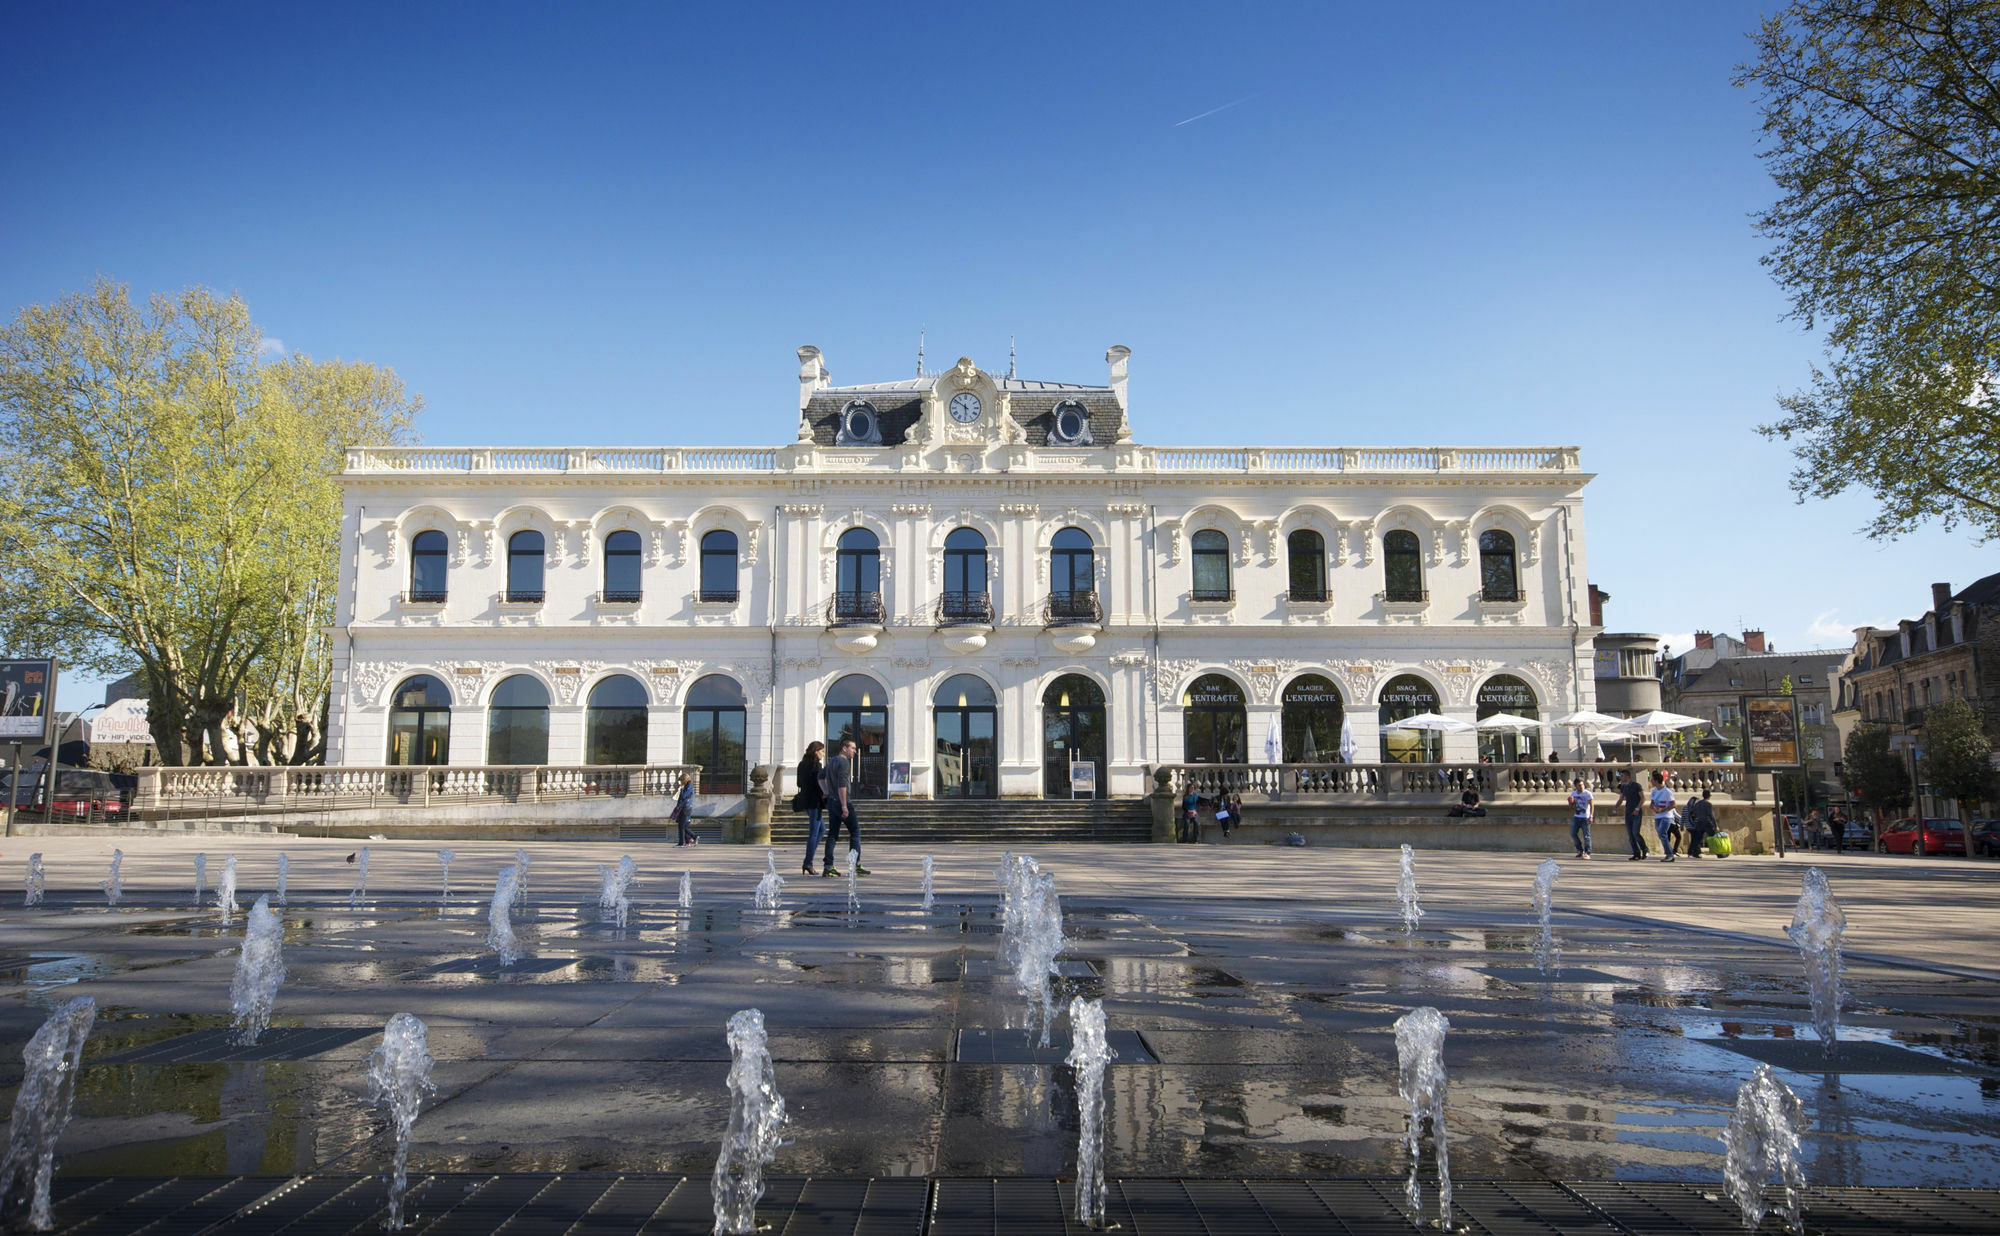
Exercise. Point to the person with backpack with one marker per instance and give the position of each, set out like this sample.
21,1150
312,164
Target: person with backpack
1700,823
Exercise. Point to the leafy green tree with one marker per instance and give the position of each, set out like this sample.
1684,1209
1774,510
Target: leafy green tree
1958,755
169,500
1882,131
1873,773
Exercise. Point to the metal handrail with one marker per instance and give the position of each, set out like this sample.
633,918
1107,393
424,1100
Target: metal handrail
1068,609
854,609
965,609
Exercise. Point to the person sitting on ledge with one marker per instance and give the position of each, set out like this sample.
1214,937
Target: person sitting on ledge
1468,803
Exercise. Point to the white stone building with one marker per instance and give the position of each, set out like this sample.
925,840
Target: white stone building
984,578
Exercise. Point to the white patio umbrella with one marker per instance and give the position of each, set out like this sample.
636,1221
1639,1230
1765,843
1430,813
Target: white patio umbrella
1274,742
1507,721
1586,719
1655,720
1431,721
1347,744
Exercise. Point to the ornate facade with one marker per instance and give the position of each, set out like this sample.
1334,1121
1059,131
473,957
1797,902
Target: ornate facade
982,578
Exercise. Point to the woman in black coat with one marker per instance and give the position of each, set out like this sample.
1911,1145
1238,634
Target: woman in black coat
811,799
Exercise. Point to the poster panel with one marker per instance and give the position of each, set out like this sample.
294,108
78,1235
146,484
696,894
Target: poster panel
27,688
1772,724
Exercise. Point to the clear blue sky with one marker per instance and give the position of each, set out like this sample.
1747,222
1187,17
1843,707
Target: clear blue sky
1450,223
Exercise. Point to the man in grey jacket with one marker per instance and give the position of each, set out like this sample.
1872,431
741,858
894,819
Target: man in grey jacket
840,807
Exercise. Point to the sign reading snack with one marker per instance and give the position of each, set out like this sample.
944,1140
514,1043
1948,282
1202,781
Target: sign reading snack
26,690
1772,723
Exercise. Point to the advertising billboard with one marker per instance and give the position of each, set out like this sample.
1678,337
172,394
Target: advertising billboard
27,690
1772,724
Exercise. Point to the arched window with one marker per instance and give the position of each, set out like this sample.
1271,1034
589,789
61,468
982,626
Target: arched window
524,567
857,708
966,758
965,599
1504,693
718,566
1407,695
1072,578
428,555
1402,567
621,567
857,596
1211,566
1305,551
420,721
1213,721
1072,733
517,722
614,724
713,733
1497,578
1312,717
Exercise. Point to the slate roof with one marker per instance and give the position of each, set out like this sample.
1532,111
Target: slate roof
1981,592
898,405
1762,671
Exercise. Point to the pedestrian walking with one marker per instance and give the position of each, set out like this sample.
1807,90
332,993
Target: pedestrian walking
840,808
1836,823
684,813
1663,815
811,799
1633,800
1581,807
1191,816
1700,824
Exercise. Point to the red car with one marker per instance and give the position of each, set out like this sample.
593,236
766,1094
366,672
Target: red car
1926,836
81,793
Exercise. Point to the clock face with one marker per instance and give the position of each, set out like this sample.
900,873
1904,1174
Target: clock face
965,407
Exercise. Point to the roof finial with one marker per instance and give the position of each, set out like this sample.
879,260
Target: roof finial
1010,356
920,351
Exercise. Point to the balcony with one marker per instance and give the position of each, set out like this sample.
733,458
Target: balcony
1308,596
965,609
513,597
423,598
620,597
1500,594
1406,596
854,609
1072,609
718,596
1212,596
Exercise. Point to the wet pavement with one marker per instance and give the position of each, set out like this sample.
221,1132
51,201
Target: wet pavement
1261,984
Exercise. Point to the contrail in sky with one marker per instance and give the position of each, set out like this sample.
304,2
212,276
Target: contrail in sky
1211,111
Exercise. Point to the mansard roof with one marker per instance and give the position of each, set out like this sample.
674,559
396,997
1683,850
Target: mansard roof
898,405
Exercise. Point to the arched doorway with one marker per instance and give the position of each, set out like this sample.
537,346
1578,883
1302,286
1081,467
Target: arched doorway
858,708
517,722
1406,695
1072,732
1312,720
966,759
420,722
1213,721
1506,693
614,722
712,732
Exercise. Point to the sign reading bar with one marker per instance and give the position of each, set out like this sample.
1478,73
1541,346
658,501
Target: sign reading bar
27,688
1772,723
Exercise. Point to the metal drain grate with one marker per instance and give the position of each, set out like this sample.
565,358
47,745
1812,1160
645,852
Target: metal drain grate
1576,976
490,964
1856,1056
1018,1047
215,1047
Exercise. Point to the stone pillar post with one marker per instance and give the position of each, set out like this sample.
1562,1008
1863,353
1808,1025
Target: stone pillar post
756,828
1163,805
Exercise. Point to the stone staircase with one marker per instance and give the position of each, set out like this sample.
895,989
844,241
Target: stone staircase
1005,821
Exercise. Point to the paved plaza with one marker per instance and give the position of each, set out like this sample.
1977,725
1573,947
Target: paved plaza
1250,990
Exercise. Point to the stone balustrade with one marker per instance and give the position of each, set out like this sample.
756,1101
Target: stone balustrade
315,788
1443,782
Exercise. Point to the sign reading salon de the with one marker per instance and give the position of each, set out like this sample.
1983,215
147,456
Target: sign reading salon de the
985,578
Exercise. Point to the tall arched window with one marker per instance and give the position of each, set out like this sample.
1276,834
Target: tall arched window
1407,695
718,566
524,567
1497,578
1402,567
713,733
965,599
1305,551
857,596
1312,717
614,724
1504,693
420,721
1211,566
858,708
428,555
1072,733
621,567
1072,578
966,760
1213,721
517,722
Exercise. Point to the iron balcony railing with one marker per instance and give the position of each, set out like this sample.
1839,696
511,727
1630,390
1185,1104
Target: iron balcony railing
521,597
1214,594
1069,609
1315,593
1499,592
724,596
424,597
1406,596
620,596
965,609
854,609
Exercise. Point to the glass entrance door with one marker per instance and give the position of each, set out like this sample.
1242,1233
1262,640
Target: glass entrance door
965,762
1072,732
869,728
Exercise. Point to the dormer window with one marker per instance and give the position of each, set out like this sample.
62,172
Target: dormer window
860,425
1070,425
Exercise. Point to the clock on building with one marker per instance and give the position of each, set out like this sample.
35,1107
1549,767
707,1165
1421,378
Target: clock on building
965,407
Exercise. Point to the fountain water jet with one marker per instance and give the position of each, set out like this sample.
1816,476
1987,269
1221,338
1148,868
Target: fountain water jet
853,894
521,878
225,891
616,883
260,971
1406,890
114,887
1817,924
1762,1139
42,1105
756,1114
929,897
772,886
444,861
1088,1054
200,878
1031,935
284,874
499,921
399,1072
1548,950
1421,1081
687,890
360,879
36,880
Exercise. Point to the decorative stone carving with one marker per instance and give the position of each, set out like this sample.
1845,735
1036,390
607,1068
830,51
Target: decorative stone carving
1028,509
656,547
557,548
1173,532
1437,546
1463,528
804,510
392,543
1168,676
1457,674
751,536
1271,539
426,617
759,679
488,544
1356,678
566,678
583,539
1263,676
1125,508
1532,551
910,662
1020,662
1555,675
921,510
368,679
1340,547
1365,537
1128,658
460,545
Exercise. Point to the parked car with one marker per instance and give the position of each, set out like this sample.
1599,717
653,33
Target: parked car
80,793
1929,835
1986,838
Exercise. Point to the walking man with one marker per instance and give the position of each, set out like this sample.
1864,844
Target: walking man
840,808
1633,799
1580,807
1663,815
